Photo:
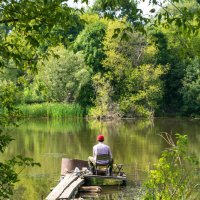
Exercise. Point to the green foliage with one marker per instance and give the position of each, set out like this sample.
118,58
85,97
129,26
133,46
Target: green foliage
191,88
137,89
9,115
35,92
144,91
27,29
121,56
104,107
161,43
173,176
51,110
168,53
178,13
171,12
9,97
30,29
90,42
59,79
118,9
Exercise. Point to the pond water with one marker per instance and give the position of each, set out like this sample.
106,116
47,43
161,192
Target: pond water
135,143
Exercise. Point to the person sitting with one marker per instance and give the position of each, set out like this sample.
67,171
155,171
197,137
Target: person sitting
100,150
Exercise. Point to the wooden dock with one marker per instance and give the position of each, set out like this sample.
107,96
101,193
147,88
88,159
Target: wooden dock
67,187
73,179
120,178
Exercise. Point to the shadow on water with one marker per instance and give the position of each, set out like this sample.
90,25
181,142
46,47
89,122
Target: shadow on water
135,143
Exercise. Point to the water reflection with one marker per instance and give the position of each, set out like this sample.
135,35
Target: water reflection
133,142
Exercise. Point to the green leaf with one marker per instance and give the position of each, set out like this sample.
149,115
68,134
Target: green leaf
178,22
159,17
32,41
152,10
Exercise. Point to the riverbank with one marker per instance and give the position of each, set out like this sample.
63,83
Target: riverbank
64,110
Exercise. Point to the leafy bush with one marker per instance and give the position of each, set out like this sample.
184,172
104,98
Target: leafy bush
61,78
104,106
144,90
173,176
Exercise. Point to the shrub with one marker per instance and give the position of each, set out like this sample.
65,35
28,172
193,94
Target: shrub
173,176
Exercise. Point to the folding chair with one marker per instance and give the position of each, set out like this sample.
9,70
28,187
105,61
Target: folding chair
102,168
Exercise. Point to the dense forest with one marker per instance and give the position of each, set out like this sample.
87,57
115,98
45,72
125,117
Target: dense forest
113,62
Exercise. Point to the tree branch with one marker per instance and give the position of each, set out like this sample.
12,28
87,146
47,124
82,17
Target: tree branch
4,21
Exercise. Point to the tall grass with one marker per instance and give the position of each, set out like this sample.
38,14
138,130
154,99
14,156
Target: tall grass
51,110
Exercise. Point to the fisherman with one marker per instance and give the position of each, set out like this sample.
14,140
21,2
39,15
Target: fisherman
100,149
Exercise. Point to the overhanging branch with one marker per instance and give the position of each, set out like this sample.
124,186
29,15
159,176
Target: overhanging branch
4,21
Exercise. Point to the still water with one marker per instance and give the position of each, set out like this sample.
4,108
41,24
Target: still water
135,143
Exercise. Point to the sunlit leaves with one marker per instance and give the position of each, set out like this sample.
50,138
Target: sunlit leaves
59,78
104,106
144,90
180,14
169,11
9,115
4,141
119,9
27,29
35,22
173,175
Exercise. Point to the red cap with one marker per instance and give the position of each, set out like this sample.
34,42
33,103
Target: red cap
100,138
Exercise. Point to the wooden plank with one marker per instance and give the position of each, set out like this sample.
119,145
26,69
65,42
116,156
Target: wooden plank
62,185
105,177
90,189
67,194
90,195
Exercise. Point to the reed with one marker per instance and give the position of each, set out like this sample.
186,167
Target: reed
51,110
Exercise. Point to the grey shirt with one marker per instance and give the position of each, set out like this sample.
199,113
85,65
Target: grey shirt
100,149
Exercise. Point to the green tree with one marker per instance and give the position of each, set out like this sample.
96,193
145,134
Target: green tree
90,42
121,55
9,116
137,88
191,88
173,47
26,32
144,91
118,9
167,53
104,107
34,22
178,13
60,79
